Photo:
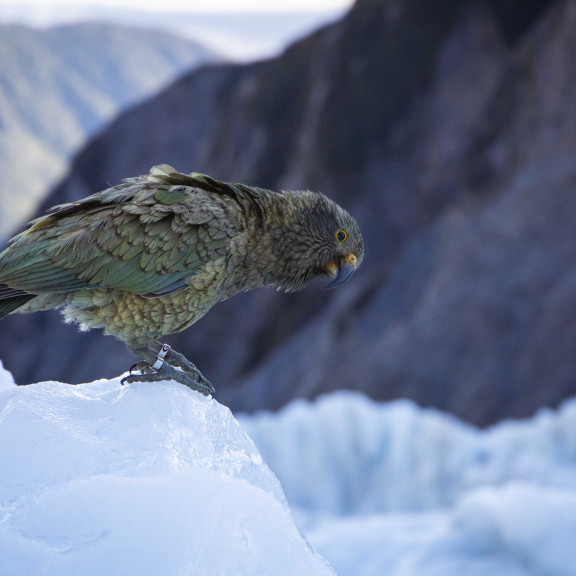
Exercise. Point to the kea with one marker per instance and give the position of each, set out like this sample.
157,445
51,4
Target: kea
151,256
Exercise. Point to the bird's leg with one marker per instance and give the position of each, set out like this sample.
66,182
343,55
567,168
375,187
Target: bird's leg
160,362
177,360
180,361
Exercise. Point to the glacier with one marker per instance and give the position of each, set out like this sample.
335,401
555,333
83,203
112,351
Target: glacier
156,479
102,478
395,489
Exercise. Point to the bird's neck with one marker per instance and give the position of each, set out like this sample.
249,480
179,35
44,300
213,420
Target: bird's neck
258,255
275,253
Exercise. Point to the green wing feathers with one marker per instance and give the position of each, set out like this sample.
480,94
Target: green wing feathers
11,299
144,236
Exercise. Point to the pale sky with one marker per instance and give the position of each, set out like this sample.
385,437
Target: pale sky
193,5
206,21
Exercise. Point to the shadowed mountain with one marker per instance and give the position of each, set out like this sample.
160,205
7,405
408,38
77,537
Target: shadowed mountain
448,129
59,86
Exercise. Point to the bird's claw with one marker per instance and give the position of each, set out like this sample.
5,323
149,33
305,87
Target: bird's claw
140,367
167,372
204,383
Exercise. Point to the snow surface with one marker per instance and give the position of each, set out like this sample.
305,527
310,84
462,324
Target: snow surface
399,490
144,479
155,479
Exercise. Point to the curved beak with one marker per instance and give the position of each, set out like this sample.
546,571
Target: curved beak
340,270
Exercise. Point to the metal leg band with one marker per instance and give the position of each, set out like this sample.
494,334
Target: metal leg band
161,355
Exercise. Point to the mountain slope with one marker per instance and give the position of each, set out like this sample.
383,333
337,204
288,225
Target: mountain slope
447,129
59,86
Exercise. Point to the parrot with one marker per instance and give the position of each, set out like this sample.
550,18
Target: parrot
150,256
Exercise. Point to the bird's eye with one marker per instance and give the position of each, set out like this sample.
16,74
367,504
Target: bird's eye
341,235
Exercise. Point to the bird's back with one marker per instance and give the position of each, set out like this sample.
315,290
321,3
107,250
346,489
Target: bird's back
145,236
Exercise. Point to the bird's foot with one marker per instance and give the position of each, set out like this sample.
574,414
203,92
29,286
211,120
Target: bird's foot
170,365
167,372
143,367
180,361
177,360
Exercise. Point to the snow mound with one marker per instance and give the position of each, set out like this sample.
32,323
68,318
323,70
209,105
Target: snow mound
399,490
368,457
517,530
6,378
154,479
143,479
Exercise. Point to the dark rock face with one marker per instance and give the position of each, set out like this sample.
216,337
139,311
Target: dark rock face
449,129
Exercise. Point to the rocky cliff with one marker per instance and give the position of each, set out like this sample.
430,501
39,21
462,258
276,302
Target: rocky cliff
448,128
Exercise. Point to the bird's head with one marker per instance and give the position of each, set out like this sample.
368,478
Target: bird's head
316,237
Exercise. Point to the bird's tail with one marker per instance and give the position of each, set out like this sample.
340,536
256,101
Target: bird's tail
11,299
